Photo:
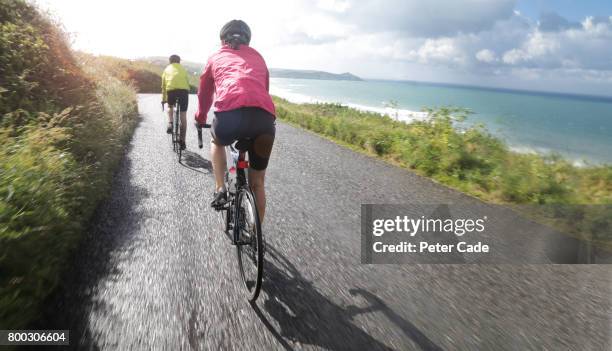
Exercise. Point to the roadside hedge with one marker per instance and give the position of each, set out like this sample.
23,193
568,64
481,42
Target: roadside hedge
63,128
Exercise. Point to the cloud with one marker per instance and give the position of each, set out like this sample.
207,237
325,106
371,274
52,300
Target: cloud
598,26
516,42
486,56
442,50
552,22
514,56
588,46
339,6
302,38
441,40
431,18
312,29
539,46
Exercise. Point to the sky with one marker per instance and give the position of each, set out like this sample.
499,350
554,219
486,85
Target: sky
552,45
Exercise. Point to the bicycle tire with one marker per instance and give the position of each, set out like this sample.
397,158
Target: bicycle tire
177,115
173,136
252,283
175,123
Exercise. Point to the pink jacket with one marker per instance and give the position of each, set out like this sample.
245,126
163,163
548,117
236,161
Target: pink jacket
236,78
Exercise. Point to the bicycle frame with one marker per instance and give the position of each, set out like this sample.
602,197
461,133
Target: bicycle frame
235,180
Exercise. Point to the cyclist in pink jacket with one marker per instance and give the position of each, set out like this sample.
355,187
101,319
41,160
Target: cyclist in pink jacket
237,77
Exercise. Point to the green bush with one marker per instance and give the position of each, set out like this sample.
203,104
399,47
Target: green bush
62,132
38,187
35,61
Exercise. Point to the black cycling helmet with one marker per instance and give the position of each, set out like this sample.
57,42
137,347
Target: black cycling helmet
175,59
235,32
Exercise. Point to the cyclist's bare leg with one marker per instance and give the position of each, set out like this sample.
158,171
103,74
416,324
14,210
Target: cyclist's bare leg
183,125
170,113
219,163
256,181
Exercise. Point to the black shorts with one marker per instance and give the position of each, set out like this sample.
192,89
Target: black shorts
183,98
247,122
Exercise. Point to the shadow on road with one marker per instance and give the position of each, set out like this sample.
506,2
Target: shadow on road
69,307
376,304
305,316
195,162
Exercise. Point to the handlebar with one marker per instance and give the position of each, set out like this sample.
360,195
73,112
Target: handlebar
199,128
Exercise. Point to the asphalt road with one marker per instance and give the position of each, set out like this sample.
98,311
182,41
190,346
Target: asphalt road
156,272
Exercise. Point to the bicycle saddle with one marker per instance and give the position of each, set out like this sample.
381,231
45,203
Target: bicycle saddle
243,144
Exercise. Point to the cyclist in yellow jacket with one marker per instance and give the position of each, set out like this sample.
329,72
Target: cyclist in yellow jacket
175,89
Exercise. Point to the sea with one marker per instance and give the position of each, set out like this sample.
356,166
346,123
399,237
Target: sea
578,127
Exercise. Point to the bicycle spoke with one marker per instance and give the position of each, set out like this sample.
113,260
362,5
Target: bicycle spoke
250,246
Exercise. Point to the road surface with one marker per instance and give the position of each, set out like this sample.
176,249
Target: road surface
156,273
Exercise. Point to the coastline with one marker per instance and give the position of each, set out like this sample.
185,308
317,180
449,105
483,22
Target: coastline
409,116
403,115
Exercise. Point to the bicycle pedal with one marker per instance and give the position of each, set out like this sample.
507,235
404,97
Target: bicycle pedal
220,208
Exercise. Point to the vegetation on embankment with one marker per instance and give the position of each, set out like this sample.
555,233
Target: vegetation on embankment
63,128
144,75
194,69
472,161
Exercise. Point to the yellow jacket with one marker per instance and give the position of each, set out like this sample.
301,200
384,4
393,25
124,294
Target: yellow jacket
174,77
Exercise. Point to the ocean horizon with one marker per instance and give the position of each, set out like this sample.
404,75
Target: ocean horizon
580,96
576,126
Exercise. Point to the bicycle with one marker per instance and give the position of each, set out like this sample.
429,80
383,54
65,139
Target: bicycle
176,129
240,217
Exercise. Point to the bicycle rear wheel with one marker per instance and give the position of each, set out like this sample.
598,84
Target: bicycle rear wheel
250,246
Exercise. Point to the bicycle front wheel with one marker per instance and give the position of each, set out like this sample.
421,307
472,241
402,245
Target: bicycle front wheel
250,243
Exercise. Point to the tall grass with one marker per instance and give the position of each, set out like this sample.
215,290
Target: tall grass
63,129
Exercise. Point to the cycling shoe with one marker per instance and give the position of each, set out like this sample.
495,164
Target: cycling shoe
219,200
